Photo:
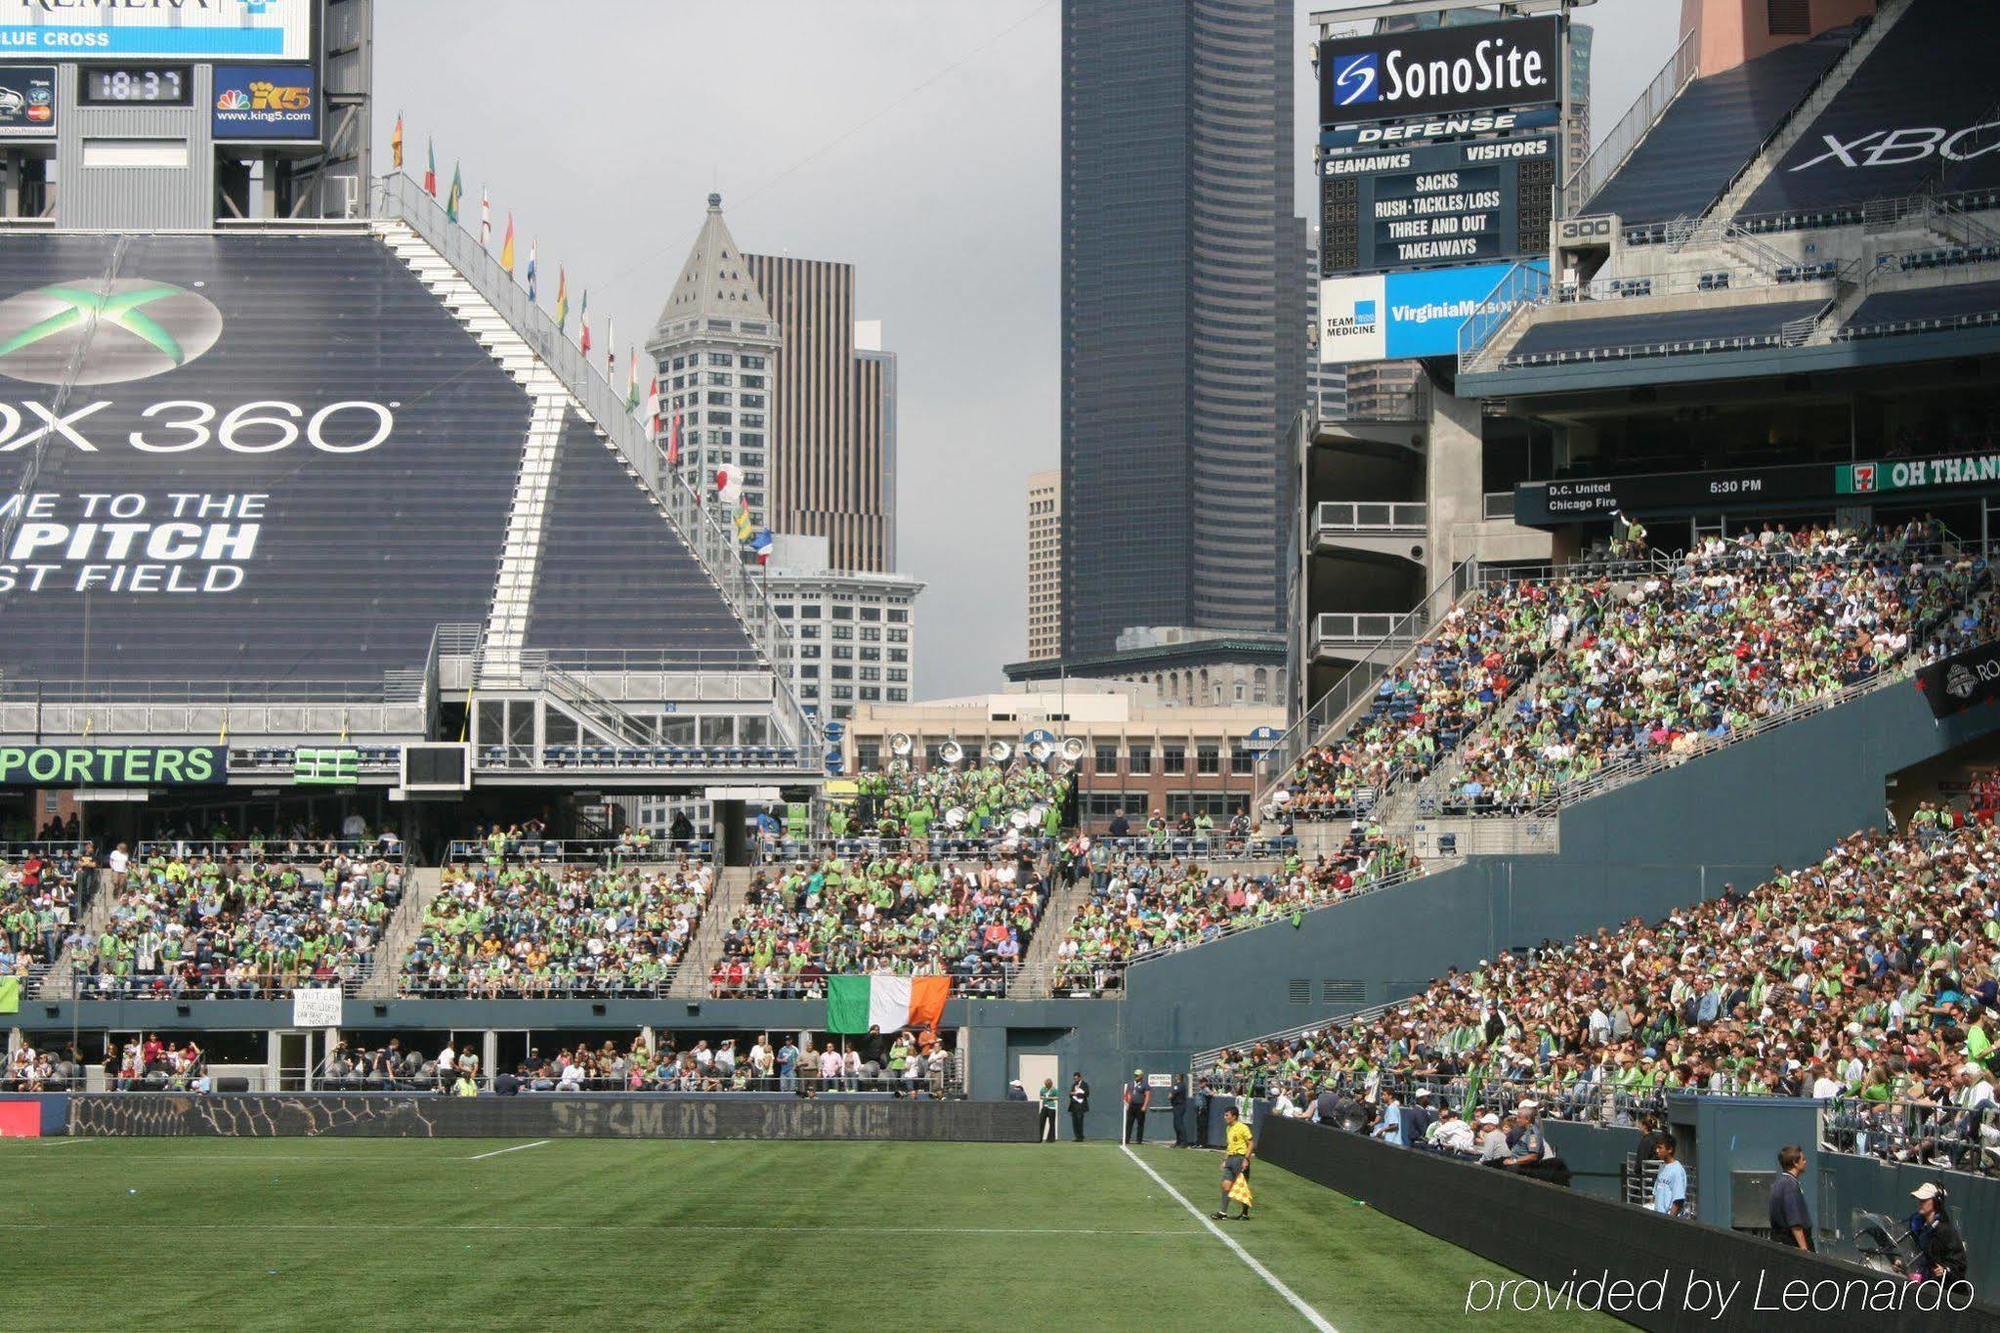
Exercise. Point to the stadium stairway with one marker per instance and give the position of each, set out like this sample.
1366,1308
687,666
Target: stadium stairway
732,887
60,983
1806,112
419,892
1035,978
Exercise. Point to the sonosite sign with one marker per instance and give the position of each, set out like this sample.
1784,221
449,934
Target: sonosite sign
1517,63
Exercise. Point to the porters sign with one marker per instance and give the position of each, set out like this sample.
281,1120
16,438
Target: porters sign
113,766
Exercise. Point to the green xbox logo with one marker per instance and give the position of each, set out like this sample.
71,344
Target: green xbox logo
97,332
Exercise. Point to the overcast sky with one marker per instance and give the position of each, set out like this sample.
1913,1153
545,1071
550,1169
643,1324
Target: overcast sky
915,139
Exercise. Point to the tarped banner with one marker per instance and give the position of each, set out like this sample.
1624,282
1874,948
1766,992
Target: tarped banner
1958,683
113,766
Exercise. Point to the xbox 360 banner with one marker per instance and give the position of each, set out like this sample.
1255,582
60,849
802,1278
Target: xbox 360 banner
1961,682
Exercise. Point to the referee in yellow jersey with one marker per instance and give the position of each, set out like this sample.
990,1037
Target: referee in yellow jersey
1237,1149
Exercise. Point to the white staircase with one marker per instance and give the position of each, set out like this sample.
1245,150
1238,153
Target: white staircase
732,887
60,982
1035,979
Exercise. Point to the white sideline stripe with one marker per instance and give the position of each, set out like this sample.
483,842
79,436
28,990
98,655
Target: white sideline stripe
1292,1298
497,1152
504,1227
54,1141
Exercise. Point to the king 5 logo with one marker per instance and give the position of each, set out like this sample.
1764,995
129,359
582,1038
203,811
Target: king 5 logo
279,97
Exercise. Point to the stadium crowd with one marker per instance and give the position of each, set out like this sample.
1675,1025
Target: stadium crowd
230,927
902,802
1141,905
1608,665
903,913
502,928
38,896
1870,976
1744,629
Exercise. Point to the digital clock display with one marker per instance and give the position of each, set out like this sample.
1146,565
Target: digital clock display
158,85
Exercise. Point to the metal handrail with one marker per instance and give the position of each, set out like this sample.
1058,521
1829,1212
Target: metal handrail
1524,286
403,686
1395,627
699,526
1680,69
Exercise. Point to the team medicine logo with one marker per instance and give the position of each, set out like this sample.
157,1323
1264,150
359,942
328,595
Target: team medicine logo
1357,79
97,332
1960,683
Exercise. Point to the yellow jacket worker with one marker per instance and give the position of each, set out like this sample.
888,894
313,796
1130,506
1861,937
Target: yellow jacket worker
1237,1149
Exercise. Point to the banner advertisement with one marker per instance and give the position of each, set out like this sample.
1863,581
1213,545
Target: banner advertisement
1389,316
27,101
1429,204
1917,474
266,102
1962,682
157,29
1552,503
1389,76
316,1007
1344,139
113,766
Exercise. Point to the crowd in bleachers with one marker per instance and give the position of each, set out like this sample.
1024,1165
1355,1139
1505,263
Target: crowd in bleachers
908,914
1457,676
1870,976
1744,629
1613,665
38,896
991,800
229,926
1141,905
514,929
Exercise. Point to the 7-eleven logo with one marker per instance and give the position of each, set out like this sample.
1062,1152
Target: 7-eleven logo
1863,476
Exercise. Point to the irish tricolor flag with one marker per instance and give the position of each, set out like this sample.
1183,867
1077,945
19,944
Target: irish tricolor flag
856,1004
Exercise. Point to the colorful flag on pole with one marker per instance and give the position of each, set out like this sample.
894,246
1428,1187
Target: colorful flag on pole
631,380
744,527
729,483
653,410
674,443
507,248
562,299
531,272
457,195
485,220
611,349
396,142
760,543
584,315
430,169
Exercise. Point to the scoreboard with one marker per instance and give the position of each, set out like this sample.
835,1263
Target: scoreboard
1429,205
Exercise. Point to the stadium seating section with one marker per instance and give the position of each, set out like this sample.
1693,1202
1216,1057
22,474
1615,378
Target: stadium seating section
508,929
225,927
37,898
359,555
1925,310
1602,668
903,914
1922,75
1664,333
1716,124
1140,906
1870,972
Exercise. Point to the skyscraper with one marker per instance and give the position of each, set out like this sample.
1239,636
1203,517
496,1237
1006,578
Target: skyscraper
1044,565
1183,317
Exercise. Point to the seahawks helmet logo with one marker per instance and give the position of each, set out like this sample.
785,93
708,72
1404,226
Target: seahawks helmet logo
97,332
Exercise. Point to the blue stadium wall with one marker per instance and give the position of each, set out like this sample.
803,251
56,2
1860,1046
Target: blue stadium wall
1642,850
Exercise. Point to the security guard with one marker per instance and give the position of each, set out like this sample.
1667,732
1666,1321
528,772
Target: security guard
1079,1104
1137,1098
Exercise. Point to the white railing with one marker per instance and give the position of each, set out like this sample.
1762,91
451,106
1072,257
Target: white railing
1372,628
1631,129
401,198
1521,288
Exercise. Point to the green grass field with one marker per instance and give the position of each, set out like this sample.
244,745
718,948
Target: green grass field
408,1233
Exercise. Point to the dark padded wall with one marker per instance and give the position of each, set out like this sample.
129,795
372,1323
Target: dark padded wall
614,574
360,555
